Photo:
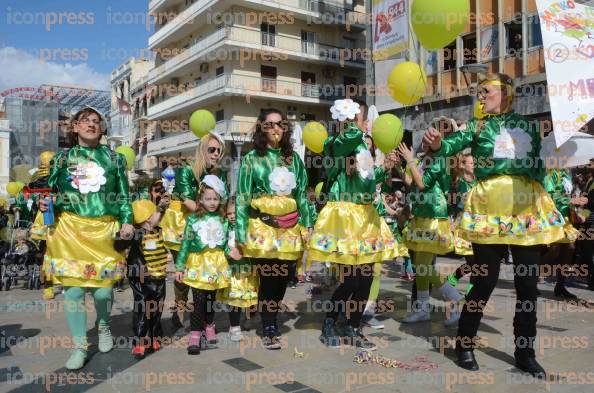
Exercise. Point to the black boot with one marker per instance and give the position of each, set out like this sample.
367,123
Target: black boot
466,359
329,334
356,338
562,292
530,365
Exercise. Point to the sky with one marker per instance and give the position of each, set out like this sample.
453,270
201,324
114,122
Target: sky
69,42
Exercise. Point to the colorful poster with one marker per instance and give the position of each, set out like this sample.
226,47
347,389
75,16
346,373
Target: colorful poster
489,43
390,28
568,42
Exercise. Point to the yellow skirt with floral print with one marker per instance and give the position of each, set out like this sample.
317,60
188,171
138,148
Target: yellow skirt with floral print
350,234
264,241
80,251
207,269
38,229
510,210
243,287
461,246
173,224
433,235
571,233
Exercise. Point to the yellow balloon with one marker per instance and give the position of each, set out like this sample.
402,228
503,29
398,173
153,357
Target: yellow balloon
314,135
14,187
407,83
318,189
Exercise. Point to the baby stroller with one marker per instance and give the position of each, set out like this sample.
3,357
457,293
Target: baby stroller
21,260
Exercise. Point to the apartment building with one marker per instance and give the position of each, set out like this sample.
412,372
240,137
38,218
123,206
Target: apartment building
505,36
235,58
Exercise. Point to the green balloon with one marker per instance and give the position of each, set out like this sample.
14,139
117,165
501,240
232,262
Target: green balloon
387,132
129,154
437,22
201,122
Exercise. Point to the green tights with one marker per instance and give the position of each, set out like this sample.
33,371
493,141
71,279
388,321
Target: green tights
425,271
76,313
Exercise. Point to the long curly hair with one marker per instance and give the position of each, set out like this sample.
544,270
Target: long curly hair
260,139
200,210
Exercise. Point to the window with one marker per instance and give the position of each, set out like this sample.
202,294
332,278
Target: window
219,71
513,38
469,49
268,78
348,42
308,39
534,33
220,115
268,33
307,117
308,87
431,65
490,43
449,57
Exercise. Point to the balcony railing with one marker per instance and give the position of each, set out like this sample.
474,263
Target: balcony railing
299,47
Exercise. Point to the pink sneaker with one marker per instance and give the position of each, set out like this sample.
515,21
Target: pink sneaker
194,343
210,334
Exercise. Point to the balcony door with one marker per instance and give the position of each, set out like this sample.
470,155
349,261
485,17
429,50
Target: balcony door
308,84
268,75
268,33
308,40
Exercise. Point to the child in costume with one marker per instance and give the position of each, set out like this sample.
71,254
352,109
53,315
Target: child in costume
428,235
201,263
80,255
183,202
147,269
242,293
274,216
508,207
349,231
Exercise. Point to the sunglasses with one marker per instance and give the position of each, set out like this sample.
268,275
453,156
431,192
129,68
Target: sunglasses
269,125
212,150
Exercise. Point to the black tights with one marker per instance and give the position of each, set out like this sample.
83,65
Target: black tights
352,293
274,276
203,311
526,265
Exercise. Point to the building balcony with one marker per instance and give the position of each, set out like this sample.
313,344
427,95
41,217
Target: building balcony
225,85
236,38
315,12
231,130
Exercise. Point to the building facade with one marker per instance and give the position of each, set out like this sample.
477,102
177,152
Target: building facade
235,58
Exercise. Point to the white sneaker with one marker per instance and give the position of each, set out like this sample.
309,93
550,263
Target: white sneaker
420,313
235,333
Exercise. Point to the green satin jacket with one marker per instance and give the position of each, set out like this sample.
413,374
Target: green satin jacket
257,178
207,231
508,144
432,202
186,185
349,148
91,182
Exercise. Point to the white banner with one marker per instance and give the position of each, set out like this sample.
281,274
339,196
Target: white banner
390,28
568,40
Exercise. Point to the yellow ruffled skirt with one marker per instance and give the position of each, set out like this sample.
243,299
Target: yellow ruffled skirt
38,229
432,235
264,241
350,234
391,249
173,224
571,233
207,269
461,246
510,210
80,252
243,287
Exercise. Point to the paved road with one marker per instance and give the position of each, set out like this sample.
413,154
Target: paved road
34,333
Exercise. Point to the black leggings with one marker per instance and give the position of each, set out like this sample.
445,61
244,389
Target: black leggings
203,310
352,293
149,297
274,276
234,316
465,268
526,272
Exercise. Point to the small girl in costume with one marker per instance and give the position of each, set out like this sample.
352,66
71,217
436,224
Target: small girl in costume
429,234
201,263
243,289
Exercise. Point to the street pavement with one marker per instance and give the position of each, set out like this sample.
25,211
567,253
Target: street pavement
35,337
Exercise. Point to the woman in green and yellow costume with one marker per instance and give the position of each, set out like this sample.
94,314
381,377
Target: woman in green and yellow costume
559,185
349,231
429,234
273,214
183,202
508,207
92,205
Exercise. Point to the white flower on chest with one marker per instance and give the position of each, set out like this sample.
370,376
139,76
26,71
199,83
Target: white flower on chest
282,181
365,164
512,143
88,177
210,231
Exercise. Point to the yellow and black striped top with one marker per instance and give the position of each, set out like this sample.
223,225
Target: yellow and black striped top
155,254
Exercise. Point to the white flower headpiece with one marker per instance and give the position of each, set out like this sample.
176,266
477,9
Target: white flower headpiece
216,184
345,109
